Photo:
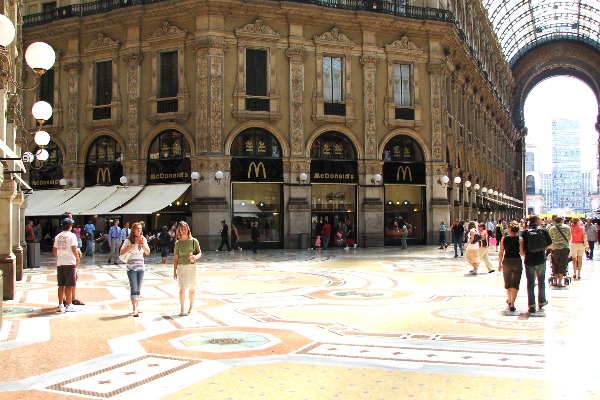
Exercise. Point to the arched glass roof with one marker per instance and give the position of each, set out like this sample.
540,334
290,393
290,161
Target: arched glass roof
523,24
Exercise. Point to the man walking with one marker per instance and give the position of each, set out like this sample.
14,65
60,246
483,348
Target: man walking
67,259
590,232
458,231
533,246
561,236
114,235
224,236
125,231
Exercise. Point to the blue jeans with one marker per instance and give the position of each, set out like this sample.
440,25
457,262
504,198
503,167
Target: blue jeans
135,282
325,242
457,240
530,271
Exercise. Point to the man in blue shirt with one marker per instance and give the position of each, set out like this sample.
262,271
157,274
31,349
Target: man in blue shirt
114,235
88,232
125,231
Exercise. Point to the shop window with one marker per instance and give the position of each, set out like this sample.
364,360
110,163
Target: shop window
333,86
403,206
169,82
259,203
104,150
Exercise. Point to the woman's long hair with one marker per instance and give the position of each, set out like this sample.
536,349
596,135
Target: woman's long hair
132,235
183,225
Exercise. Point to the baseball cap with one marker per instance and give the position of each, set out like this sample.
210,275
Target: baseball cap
65,223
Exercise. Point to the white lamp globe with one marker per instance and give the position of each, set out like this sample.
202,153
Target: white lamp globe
476,186
377,177
41,111
303,176
42,138
457,180
40,56
490,191
195,175
445,179
42,155
495,193
219,174
7,31
467,184
62,182
123,180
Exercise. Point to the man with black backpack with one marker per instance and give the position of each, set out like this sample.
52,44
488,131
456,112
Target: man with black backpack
534,244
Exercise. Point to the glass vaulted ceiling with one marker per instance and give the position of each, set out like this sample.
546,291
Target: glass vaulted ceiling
523,24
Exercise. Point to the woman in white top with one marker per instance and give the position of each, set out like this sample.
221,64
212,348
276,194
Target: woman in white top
186,252
137,244
472,246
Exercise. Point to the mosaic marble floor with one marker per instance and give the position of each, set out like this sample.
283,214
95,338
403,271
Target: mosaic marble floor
359,324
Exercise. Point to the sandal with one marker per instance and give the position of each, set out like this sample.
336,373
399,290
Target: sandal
182,314
78,302
136,314
473,272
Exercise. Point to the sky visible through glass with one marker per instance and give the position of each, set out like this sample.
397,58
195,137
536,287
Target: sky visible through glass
561,98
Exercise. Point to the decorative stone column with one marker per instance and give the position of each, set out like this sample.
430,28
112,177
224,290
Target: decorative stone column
210,202
8,191
439,204
18,234
297,55
71,147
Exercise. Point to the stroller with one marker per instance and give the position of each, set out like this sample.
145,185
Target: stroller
566,278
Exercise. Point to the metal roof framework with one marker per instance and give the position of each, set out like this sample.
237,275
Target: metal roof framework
523,24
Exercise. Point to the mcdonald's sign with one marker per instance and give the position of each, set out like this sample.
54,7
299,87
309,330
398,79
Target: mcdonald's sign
404,173
256,167
103,176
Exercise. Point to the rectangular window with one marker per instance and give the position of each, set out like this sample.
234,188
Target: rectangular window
169,75
332,79
47,90
402,96
256,72
103,83
102,108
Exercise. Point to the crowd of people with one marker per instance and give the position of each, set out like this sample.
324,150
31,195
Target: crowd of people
526,244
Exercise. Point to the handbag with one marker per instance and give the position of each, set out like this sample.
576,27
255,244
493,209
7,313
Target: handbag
125,257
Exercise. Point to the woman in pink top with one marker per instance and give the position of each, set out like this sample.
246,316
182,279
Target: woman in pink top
578,246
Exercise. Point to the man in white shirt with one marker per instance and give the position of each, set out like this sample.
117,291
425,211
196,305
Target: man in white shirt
67,259
114,236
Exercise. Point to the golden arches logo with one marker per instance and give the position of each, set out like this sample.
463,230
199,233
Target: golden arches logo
103,175
257,168
405,171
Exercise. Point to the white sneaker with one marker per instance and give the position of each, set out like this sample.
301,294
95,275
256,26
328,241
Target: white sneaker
60,309
240,249
70,308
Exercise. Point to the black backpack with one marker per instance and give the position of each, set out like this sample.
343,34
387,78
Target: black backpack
536,240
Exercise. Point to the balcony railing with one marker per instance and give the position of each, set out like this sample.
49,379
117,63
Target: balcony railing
382,7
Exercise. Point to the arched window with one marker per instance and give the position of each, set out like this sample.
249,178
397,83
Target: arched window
255,142
402,148
46,174
103,162
104,150
530,184
332,146
529,162
168,145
